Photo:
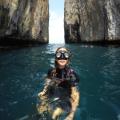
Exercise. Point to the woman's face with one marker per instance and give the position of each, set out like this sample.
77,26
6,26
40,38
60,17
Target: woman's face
62,62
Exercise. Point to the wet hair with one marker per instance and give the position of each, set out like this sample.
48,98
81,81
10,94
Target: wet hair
61,48
56,64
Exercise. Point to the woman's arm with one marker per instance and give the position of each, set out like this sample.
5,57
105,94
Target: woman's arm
47,82
75,97
45,89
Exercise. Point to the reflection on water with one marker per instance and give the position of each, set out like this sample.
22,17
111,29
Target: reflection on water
22,77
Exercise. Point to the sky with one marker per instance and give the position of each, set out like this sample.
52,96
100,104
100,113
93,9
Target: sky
56,21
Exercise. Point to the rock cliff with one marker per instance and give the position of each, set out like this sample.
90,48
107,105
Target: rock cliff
24,19
92,20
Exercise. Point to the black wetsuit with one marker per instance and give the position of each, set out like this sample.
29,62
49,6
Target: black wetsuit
63,80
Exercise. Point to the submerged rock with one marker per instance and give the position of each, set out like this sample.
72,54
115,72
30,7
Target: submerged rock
92,20
24,19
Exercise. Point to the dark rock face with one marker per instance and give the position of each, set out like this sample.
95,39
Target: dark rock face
92,20
24,19
72,21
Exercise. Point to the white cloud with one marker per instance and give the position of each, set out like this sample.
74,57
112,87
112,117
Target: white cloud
56,28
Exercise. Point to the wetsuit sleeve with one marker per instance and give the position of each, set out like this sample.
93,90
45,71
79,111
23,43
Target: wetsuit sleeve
49,73
75,79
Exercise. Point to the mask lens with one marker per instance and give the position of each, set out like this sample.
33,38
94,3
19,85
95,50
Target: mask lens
66,55
58,55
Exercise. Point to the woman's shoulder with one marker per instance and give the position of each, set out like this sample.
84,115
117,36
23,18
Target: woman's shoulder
50,70
70,70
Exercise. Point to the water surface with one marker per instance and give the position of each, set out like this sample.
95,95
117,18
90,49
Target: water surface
22,72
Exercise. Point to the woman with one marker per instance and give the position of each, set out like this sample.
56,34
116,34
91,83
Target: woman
61,84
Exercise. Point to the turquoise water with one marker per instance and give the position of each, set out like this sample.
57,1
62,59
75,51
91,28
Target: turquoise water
22,72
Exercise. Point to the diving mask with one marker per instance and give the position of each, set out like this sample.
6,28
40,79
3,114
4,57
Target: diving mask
62,55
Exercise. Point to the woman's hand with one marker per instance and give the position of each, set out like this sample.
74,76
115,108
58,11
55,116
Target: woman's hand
41,93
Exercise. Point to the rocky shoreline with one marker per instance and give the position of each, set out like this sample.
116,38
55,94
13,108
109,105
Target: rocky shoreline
12,44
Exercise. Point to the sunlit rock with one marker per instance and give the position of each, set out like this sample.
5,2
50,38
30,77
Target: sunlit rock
24,19
112,8
92,20
72,21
